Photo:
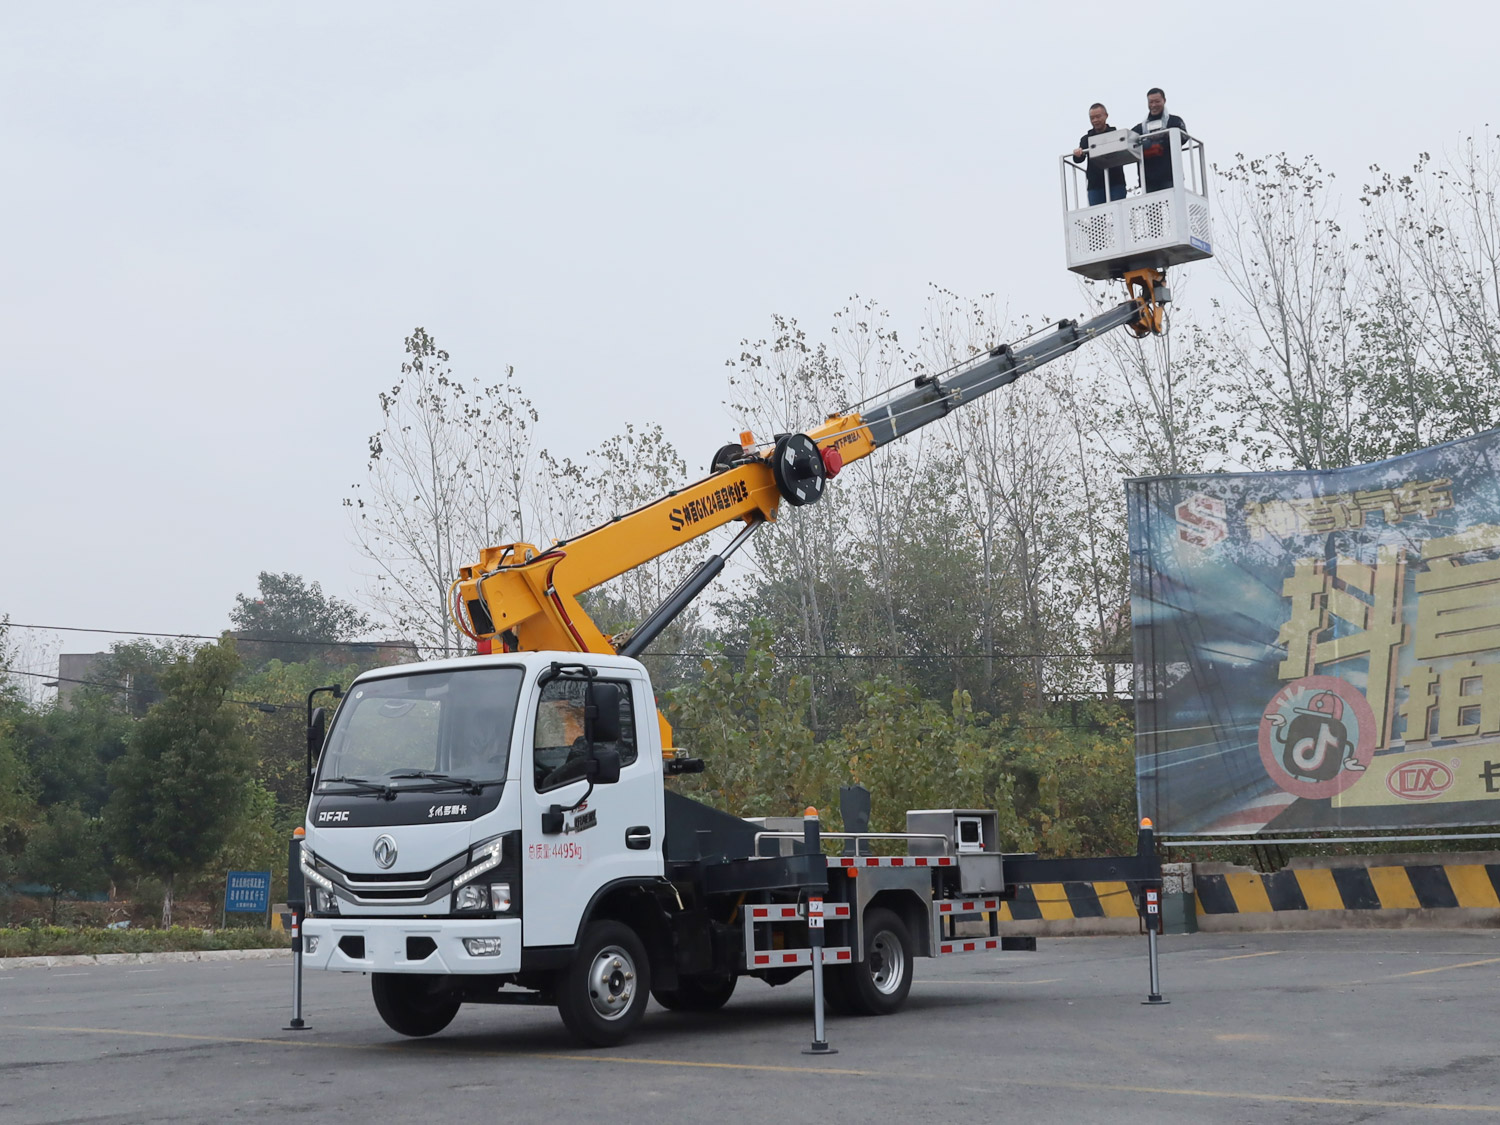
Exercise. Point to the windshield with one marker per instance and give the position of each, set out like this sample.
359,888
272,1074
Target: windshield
457,723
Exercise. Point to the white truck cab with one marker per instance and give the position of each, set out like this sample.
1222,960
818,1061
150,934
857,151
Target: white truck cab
459,815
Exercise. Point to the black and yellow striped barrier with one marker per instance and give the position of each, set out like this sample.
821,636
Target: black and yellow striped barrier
1052,902
1429,886
1417,886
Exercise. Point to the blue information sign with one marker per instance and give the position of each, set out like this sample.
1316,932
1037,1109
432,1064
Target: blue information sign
248,892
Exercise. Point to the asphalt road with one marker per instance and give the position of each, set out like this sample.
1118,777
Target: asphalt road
1297,1027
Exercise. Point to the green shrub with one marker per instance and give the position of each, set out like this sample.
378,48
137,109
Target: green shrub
60,941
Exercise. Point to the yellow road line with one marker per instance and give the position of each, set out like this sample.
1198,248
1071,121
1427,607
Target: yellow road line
924,980
1445,968
1036,1083
1242,956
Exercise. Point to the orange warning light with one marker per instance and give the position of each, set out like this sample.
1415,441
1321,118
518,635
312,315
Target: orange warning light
299,831
1145,822
810,811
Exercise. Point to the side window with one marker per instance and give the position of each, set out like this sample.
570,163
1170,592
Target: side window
558,749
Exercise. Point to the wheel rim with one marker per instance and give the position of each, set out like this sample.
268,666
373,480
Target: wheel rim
887,963
611,982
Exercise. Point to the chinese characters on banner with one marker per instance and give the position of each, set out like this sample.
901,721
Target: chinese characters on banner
1320,650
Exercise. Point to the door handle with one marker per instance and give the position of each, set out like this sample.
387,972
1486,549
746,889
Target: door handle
638,838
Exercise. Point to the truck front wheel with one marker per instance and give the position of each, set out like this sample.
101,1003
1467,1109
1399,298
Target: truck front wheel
415,1004
602,995
877,986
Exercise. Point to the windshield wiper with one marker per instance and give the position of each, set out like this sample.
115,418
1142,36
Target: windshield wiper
385,792
445,781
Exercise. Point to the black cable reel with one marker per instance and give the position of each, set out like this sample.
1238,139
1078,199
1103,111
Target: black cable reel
797,465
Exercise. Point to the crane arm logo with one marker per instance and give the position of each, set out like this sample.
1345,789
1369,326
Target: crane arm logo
716,501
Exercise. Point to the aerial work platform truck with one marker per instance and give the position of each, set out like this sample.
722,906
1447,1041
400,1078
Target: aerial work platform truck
496,829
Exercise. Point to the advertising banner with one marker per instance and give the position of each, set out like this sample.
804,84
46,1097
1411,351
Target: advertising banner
1319,650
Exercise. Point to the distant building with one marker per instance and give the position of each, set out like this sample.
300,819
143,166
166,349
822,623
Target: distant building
371,654
79,670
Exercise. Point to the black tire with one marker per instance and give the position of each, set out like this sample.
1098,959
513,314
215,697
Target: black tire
836,987
415,1004
879,984
706,993
602,995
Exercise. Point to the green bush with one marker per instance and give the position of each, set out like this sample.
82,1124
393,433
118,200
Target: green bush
61,941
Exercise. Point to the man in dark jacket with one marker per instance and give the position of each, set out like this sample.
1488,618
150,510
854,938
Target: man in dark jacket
1099,120
1156,155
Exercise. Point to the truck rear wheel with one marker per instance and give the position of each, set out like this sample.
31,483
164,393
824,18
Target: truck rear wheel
878,986
415,1004
696,994
602,995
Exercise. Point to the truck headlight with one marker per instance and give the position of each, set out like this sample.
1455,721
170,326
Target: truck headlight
310,944
485,856
482,946
500,897
310,873
471,898
325,902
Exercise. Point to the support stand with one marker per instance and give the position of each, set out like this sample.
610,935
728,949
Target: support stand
813,843
296,905
1151,912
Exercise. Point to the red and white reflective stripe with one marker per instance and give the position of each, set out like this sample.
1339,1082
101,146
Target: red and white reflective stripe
971,906
892,861
782,913
974,946
781,957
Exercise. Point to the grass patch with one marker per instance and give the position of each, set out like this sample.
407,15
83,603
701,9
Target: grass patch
62,941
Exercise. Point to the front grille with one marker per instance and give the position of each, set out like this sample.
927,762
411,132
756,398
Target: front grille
389,876
419,888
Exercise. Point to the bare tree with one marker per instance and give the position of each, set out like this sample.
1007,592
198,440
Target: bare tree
448,473
1280,348
782,384
1429,367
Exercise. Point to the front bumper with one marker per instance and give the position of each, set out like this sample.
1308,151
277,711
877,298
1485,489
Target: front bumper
384,945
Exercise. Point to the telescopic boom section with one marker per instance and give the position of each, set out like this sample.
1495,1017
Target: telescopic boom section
519,597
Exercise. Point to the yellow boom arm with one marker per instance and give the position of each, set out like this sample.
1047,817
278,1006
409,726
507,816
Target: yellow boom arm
519,597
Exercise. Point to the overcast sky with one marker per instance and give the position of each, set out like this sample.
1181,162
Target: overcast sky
222,219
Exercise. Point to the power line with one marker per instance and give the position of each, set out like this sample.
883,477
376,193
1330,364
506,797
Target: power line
259,704
1116,656
207,637
733,653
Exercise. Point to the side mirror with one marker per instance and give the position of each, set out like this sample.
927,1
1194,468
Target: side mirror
601,713
317,731
604,769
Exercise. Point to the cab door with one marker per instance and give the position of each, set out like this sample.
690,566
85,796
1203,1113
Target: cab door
611,833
